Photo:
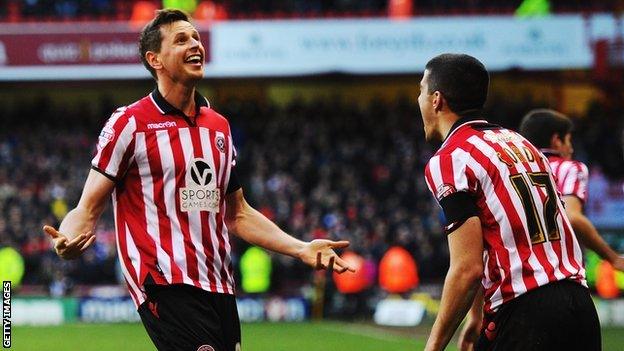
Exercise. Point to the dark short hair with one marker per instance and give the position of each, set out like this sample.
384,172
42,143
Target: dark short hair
151,38
462,80
539,125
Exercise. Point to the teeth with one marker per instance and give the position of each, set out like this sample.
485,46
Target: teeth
194,58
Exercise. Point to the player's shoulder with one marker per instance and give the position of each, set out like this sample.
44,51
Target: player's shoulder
573,166
215,119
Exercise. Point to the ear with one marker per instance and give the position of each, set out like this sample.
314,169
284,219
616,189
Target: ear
438,101
555,142
153,59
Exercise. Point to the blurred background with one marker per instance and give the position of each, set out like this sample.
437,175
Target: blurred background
321,96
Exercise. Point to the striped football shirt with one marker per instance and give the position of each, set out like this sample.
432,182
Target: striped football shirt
528,239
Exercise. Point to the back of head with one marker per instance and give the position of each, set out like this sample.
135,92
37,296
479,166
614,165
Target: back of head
462,80
151,37
539,126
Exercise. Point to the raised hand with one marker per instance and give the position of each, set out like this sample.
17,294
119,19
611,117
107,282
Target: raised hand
320,255
69,249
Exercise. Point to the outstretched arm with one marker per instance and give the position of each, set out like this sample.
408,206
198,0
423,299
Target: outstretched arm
75,233
587,233
461,283
253,227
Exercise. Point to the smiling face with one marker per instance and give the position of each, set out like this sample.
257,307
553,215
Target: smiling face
181,56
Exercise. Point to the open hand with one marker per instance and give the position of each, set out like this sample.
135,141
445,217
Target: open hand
319,254
69,249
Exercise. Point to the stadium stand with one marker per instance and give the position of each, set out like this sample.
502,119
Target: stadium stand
106,10
314,174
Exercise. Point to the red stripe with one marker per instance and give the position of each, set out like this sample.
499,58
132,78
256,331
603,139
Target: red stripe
164,223
180,166
446,169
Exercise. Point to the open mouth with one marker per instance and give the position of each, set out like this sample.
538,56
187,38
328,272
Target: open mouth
196,59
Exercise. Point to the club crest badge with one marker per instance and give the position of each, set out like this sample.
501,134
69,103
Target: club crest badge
220,143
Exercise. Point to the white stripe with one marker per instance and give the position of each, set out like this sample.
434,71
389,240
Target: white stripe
497,209
151,213
111,122
436,174
568,180
169,183
131,282
216,261
125,137
195,228
460,179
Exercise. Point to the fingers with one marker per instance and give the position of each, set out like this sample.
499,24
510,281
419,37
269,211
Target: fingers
74,248
87,243
334,263
330,265
319,262
53,233
344,266
60,243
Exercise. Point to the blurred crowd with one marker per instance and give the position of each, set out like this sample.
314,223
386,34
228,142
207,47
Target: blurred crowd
320,169
122,9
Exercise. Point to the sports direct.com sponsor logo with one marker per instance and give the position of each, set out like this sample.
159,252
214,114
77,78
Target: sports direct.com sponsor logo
161,125
6,314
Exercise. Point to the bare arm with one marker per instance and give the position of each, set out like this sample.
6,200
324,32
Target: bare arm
253,227
75,233
587,233
461,283
472,326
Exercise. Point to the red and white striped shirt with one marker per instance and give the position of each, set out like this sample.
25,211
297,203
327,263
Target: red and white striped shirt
171,177
571,176
528,240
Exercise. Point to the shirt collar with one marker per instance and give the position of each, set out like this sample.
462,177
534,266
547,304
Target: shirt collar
167,109
460,122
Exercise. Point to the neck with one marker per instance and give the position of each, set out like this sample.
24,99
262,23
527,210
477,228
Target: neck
446,123
178,95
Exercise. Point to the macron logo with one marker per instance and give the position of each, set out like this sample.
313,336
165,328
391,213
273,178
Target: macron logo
161,125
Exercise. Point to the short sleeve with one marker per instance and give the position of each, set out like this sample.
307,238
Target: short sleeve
115,147
453,185
574,181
